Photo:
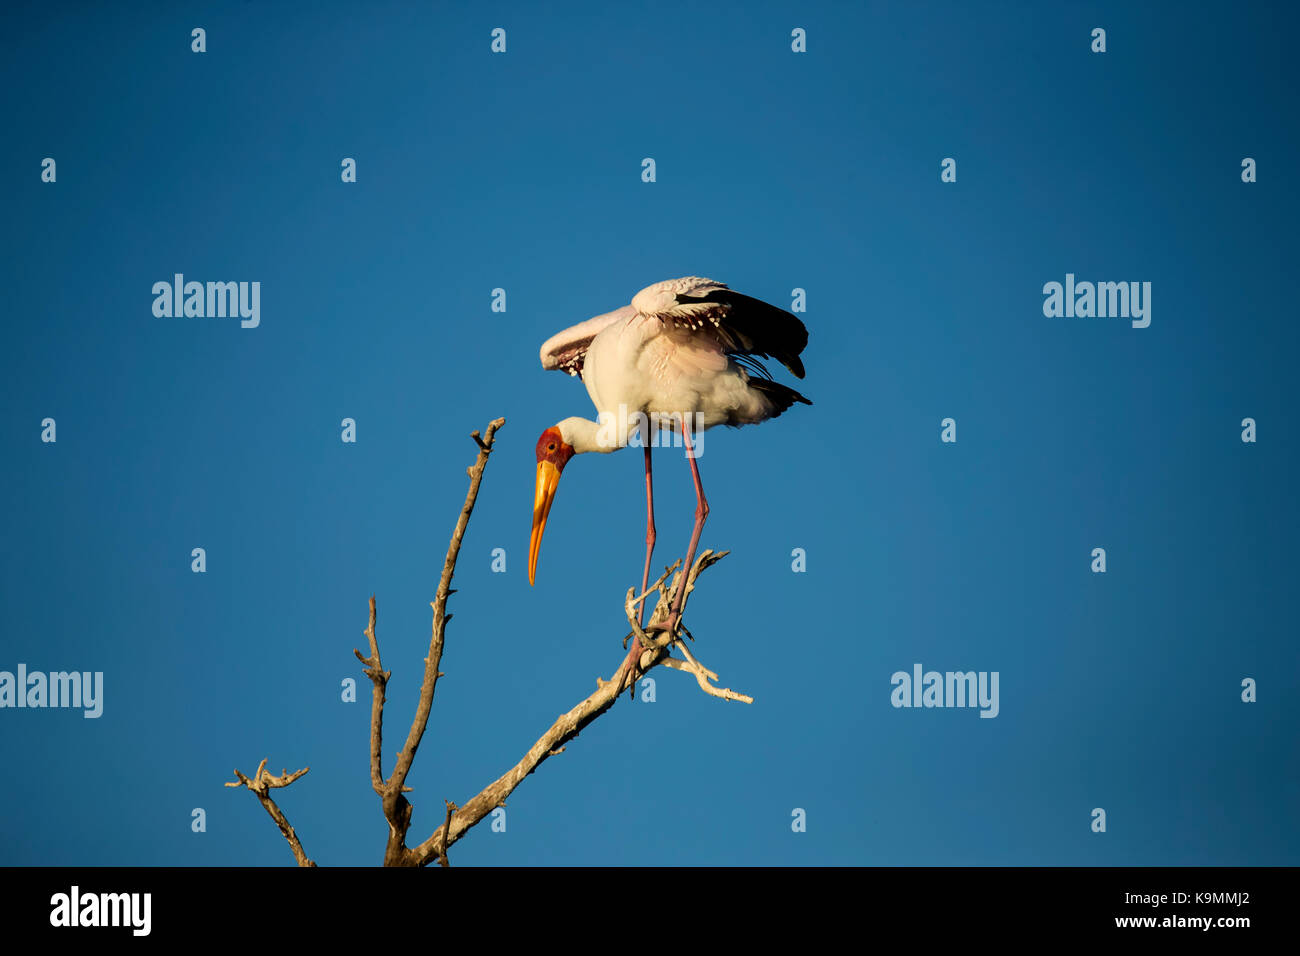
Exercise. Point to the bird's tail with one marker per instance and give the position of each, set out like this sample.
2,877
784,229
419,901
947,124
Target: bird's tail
781,396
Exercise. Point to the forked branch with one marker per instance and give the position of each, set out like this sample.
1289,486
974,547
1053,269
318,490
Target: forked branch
261,784
652,646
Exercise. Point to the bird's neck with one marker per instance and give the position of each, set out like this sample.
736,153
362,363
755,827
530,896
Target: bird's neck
585,435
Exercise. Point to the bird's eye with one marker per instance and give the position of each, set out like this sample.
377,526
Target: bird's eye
551,447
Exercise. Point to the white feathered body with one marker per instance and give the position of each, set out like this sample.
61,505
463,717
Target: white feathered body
663,357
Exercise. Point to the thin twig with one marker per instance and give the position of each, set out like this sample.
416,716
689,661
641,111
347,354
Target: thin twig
261,783
379,677
702,675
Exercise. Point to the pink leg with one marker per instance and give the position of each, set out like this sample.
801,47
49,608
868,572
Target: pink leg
701,512
635,653
649,530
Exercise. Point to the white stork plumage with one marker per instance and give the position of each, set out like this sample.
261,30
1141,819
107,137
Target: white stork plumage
684,354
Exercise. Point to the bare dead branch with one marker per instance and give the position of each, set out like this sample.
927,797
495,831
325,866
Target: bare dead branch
263,782
551,743
706,559
691,663
564,729
379,677
396,808
442,851
631,604
651,647
702,675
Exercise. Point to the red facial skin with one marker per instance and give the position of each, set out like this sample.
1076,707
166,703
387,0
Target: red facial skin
551,447
553,453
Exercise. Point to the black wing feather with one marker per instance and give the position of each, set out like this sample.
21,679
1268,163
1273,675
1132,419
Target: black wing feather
758,328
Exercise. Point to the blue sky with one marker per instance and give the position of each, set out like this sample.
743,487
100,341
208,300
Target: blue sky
775,171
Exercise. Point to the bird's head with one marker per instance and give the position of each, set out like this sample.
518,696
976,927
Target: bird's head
553,453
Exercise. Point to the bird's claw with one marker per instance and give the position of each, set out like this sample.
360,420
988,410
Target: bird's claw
647,641
669,629
634,670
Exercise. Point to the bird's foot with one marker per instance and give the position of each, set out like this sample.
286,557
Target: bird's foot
639,645
667,630
631,665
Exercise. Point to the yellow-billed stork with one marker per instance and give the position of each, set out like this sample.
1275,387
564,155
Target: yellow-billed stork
684,356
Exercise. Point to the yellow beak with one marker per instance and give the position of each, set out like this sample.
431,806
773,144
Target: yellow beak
548,479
